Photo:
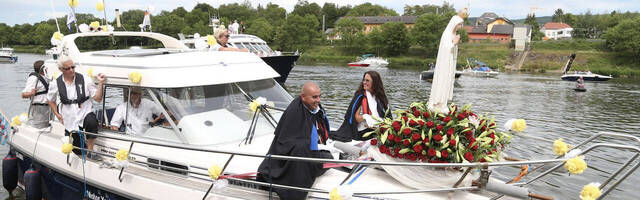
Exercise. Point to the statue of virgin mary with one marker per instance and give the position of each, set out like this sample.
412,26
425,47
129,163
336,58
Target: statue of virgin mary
444,74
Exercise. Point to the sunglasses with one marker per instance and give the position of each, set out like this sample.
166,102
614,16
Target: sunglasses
227,36
68,68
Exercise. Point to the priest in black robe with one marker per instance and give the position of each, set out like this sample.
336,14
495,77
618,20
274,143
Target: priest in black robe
302,127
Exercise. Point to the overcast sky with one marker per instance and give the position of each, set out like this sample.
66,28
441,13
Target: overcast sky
31,11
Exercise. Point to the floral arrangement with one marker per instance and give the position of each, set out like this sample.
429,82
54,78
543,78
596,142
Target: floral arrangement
456,137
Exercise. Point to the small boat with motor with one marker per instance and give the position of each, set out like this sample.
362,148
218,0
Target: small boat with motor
358,64
374,61
428,75
586,75
479,69
6,55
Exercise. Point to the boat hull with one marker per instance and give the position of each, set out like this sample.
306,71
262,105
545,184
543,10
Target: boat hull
358,65
481,73
282,65
428,75
592,77
9,59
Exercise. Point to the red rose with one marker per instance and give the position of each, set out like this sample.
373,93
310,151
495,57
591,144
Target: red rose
406,131
412,123
417,148
413,157
482,160
471,143
405,143
472,114
397,139
489,153
452,142
425,114
421,123
431,152
430,124
437,137
483,128
472,139
396,125
492,142
405,118
381,148
496,150
416,113
444,153
475,147
492,136
396,150
383,129
390,137
461,116
400,155
416,137
439,127
425,140
374,141
450,132
492,124
468,156
413,108
447,119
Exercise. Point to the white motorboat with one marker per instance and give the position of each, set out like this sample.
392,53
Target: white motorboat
479,69
369,60
210,125
586,76
6,55
480,73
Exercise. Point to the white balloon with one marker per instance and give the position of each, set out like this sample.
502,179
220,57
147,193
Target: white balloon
83,28
55,42
196,35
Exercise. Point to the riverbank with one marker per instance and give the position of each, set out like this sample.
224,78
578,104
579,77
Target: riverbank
543,57
29,49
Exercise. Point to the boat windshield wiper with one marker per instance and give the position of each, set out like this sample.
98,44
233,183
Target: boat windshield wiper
254,121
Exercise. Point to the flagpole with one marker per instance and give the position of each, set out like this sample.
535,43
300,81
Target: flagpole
73,10
105,13
54,15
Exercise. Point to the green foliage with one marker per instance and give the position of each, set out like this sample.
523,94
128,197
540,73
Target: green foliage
368,9
261,28
574,45
427,31
350,29
235,11
298,32
535,27
332,13
418,10
464,36
625,37
395,38
558,16
303,8
273,13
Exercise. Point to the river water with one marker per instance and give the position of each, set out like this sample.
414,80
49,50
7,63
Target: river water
549,105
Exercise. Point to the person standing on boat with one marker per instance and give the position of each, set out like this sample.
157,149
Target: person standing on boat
368,104
75,92
36,88
301,131
137,113
222,38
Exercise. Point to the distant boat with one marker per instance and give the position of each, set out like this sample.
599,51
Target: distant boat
587,76
6,55
480,69
428,75
358,64
374,61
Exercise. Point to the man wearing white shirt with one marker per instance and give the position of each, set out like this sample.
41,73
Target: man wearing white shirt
137,113
75,92
36,89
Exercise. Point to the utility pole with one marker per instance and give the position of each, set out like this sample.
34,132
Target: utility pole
323,23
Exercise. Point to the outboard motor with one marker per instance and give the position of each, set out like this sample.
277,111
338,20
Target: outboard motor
32,188
10,172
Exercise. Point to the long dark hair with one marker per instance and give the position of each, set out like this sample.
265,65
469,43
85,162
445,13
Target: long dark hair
377,86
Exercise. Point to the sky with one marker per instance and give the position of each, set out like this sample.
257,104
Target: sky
31,11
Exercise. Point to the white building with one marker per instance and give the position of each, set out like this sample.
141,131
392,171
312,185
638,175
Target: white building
522,36
556,30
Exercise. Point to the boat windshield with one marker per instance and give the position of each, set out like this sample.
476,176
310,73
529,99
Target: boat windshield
215,114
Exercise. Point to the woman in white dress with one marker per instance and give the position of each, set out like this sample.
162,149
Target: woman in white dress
444,74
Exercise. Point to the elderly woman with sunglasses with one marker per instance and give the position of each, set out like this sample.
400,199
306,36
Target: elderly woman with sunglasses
222,38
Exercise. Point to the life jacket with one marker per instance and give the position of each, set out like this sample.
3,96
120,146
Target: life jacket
43,81
62,90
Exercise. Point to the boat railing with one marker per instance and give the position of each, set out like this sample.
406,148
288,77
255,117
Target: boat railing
483,167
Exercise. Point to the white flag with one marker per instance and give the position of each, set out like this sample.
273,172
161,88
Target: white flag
71,18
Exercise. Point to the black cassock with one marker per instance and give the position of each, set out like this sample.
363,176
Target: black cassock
293,138
349,129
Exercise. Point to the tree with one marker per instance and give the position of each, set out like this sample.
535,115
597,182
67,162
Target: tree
368,9
235,11
417,10
303,8
350,30
261,28
297,32
428,30
625,37
274,14
395,38
332,13
535,27
179,11
558,16
170,24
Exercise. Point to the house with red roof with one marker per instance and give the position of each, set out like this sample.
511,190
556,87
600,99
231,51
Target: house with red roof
490,26
556,30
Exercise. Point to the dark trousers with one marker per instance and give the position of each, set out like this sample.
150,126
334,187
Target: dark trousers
89,124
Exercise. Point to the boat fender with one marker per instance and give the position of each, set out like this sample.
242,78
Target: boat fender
32,188
10,172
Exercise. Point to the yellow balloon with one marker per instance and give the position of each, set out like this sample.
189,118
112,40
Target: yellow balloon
90,72
135,77
57,35
211,40
72,3
590,192
122,154
66,148
100,6
94,25
214,172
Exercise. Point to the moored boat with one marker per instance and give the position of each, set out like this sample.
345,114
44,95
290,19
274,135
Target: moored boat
6,55
479,69
428,75
587,76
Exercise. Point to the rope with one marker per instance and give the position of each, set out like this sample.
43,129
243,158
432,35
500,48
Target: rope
523,172
84,176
